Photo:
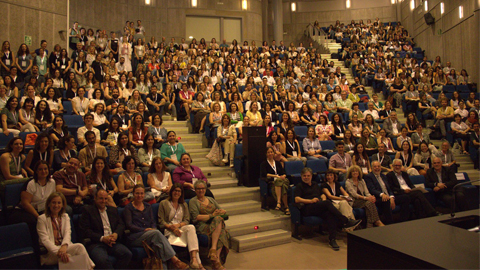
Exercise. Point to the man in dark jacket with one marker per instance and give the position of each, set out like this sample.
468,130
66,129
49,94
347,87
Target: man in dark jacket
104,227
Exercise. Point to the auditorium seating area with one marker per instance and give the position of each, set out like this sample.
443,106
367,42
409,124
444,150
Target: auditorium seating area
375,53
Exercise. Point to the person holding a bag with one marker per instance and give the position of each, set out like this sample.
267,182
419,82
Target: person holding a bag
139,220
226,138
174,218
209,219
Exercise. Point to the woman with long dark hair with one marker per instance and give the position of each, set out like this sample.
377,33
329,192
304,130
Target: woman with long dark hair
43,150
100,178
11,119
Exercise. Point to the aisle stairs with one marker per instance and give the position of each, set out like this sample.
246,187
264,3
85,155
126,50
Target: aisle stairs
250,227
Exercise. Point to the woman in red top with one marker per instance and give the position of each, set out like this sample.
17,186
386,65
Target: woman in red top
137,131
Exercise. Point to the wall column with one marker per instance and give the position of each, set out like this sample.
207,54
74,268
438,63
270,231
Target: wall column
264,20
277,20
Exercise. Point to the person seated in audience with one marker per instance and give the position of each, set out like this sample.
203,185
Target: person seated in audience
311,146
386,201
272,172
227,138
90,151
159,179
147,152
112,103
54,234
100,121
356,111
315,203
174,218
32,200
476,106
442,180
344,104
66,149
100,179
377,105
73,185
392,126
341,161
104,227
157,130
355,127
80,103
405,154
43,150
337,195
292,147
475,143
187,174
420,136
385,113
137,131
338,127
423,158
292,113
139,220
461,131
444,115
209,219
360,158
404,137
323,129
88,120
128,179
120,151
447,157
11,170
11,119
358,191
255,116
171,151
400,183
58,130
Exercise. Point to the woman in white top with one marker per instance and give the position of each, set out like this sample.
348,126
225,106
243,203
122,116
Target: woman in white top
80,102
27,113
159,179
97,98
125,51
33,198
57,80
139,52
461,131
55,234
54,103
99,119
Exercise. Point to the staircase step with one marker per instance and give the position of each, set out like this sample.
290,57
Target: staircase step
236,194
223,182
216,171
264,220
260,240
243,207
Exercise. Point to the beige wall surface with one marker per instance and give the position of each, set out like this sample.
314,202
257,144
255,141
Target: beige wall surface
453,39
38,19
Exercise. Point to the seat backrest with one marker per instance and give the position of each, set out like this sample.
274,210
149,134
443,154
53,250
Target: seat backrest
15,236
12,195
73,120
417,179
301,131
155,211
5,139
293,167
327,145
145,179
68,107
317,165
